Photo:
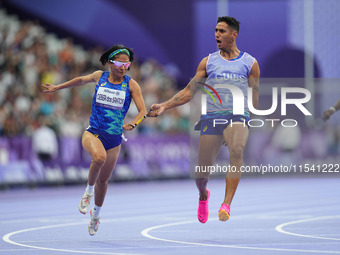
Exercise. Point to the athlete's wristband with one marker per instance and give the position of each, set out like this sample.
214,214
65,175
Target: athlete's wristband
133,126
332,109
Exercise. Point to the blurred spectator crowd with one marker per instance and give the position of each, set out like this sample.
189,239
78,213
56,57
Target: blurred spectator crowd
29,56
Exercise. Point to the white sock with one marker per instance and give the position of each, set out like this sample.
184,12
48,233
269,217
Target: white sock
89,189
96,211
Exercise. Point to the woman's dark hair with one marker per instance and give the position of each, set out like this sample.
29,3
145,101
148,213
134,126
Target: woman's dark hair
105,57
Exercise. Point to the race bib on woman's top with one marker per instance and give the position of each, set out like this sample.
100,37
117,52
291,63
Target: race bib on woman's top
110,98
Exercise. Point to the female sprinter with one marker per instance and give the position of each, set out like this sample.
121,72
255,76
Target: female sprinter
102,139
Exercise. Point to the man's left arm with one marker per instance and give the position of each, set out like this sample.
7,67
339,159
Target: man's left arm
254,82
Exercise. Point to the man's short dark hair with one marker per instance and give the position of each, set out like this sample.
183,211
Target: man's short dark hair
231,22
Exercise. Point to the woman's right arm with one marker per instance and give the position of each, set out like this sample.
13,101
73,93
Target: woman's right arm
78,81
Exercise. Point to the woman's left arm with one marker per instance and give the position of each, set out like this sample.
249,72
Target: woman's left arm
137,96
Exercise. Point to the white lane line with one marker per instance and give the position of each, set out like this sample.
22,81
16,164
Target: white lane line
280,227
146,233
7,239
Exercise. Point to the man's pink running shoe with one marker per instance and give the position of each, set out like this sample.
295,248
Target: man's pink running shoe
203,210
224,212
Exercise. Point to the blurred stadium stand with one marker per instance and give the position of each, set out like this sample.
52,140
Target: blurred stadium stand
31,56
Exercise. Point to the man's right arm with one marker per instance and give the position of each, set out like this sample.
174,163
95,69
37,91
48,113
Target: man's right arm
182,96
328,113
